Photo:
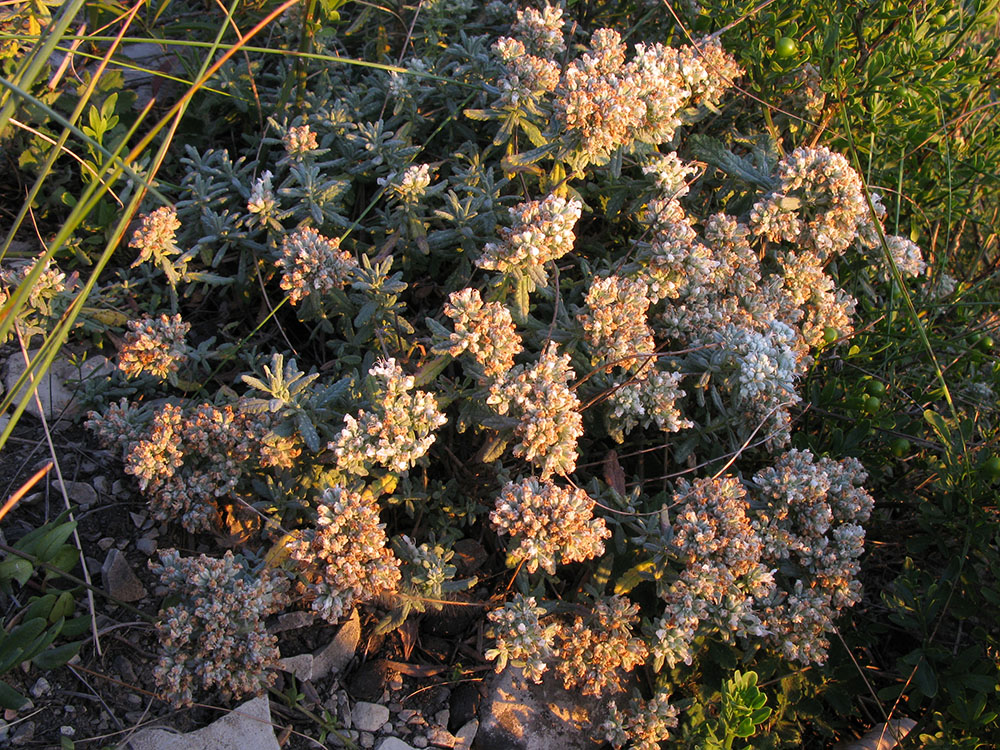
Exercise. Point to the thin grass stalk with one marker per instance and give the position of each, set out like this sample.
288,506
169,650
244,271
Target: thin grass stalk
35,60
57,337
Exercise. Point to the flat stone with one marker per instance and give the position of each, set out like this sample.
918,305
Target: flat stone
56,396
247,727
333,658
40,688
292,621
146,545
24,734
393,743
466,735
105,542
119,579
369,717
441,737
519,715
301,666
80,493
883,737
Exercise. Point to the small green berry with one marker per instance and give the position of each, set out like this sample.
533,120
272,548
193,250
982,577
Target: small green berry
938,21
991,467
876,387
900,447
830,334
872,404
786,47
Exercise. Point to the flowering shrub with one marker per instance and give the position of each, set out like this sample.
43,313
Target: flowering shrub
587,299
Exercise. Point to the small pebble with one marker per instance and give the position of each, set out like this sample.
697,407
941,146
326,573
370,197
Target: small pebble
367,739
24,734
105,542
40,688
146,545
67,731
418,741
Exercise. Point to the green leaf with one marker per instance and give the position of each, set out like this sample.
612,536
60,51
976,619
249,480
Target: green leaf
716,154
925,679
10,698
522,299
308,431
745,728
17,569
52,541
17,641
633,577
58,656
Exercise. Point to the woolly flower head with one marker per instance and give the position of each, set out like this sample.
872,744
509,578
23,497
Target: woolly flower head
215,636
649,401
521,640
615,324
907,256
154,345
484,329
820,204
299,141
549,524
346,559
541,231
312,263
154,239
643,725
395,432
549,420
670,174
262,201
541,30
593,653
410,186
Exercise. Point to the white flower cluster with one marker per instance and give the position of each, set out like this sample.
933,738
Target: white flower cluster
647,402
765,366
410,186
712,537
815,293
548,524
189,458
395,432
643,725
615,324
299,141
214,637
313,264
812,521
521,640
346,559
674,260
485,330
670,174
594,653
548,411
154,345
262,202
820,204
529,77
541,30
154,239
605,103
907,256
542,231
